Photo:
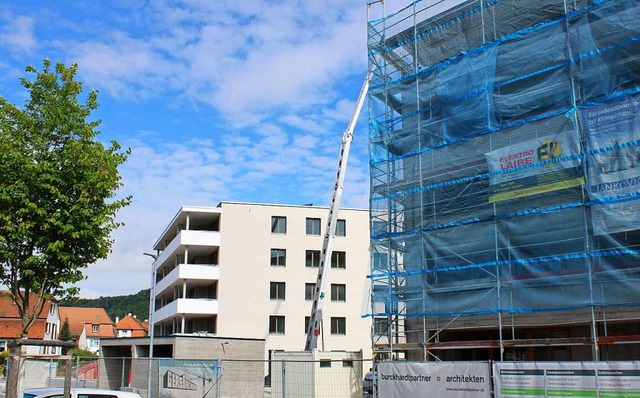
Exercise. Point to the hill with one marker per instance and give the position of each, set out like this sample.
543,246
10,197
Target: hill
118,306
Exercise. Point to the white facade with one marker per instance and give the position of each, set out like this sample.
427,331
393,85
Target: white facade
222,271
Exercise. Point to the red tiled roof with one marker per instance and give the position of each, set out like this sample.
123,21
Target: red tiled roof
103,330
11,328
8,309
129,323
137,327
78,317
11,323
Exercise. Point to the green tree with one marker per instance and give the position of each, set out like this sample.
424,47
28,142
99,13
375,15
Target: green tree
65,332
57,191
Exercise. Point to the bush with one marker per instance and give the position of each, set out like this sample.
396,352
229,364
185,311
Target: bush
3,357
79,352
3,361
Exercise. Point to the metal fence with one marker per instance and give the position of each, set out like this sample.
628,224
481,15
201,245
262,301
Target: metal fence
171,378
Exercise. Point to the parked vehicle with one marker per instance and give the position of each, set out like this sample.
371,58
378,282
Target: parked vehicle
77,393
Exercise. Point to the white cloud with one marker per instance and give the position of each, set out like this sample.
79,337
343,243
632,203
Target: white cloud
17,35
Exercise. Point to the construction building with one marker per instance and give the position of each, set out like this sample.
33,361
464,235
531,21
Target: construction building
248,271
504,180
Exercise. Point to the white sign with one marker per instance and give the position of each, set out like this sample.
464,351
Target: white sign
528,168
613,131
440,379
187,378
566,379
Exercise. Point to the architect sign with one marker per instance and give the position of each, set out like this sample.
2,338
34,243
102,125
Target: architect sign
566,379
444,380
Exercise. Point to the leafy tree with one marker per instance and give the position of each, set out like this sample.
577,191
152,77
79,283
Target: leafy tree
57,191
65,332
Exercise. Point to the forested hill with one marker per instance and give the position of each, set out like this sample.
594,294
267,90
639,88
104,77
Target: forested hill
118,306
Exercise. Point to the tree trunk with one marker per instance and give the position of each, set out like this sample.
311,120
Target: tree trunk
15,362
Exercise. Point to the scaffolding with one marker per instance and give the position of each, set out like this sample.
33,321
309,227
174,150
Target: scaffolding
505,175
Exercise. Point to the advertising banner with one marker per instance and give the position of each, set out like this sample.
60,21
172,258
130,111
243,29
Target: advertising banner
517,171
567,379
613,160
187,378
438,379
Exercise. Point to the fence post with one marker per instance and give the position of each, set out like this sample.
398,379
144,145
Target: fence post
284,379
77,370
50,369
122,375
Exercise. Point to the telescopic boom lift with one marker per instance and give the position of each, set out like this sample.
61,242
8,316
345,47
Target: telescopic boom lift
325,256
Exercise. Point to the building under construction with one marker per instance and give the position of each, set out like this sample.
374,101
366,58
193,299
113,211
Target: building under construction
505,175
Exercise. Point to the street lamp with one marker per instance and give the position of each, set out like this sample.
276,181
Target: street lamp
152,310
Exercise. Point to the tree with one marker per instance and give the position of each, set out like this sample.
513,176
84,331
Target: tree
57,192
65,332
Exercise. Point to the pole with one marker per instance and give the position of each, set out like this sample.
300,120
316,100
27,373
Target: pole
152,310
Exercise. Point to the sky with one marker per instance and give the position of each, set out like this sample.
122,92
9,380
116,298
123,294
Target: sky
218,100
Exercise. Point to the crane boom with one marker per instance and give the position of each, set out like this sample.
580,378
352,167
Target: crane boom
315,319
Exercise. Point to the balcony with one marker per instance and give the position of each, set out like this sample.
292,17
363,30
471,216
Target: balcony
187,306
192,272
188,238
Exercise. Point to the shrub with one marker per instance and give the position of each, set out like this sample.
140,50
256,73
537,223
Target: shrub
78,352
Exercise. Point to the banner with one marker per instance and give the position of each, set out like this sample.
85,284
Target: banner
439,379
516,170
567,379
613,131
187,378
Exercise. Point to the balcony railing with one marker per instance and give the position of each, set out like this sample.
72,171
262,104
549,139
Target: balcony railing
188,271
190,238
190,306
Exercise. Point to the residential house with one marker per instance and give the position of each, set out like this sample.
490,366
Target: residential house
46,327
130,326
88,326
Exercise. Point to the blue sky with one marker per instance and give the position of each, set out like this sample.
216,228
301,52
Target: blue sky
218,100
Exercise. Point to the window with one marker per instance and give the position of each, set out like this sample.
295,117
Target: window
325,363
276,324
309,289
307,319
279,225
278,257
95,328
379,261
341,228
313,226
338,325
347,363
339,260
379,325
313,258
277,291
338,292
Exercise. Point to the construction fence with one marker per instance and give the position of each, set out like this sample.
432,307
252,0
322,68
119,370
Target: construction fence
172,378
386,379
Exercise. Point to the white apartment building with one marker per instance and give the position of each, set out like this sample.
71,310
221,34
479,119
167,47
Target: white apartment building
248,270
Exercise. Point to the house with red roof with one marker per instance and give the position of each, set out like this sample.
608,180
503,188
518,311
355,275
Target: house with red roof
88,326
46,326
130,326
